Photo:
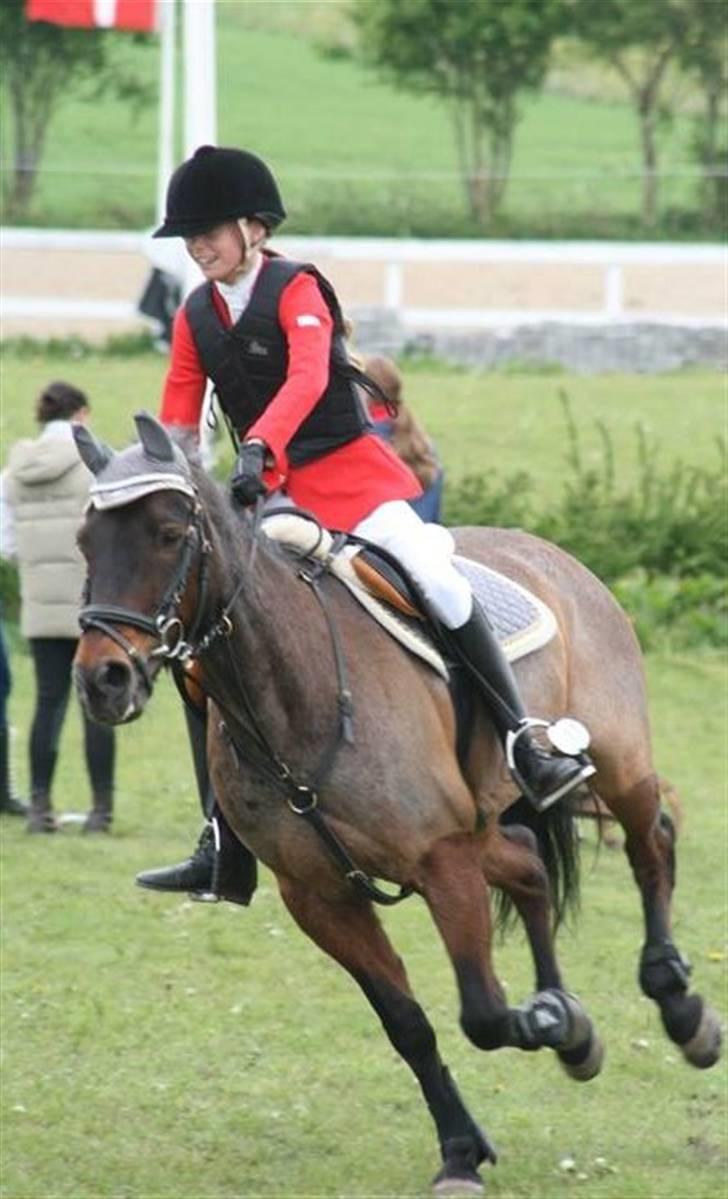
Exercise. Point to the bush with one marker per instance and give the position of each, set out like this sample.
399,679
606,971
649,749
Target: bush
118,345
488,500
675,613
662,547
672,523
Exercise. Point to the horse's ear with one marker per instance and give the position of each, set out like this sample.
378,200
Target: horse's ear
94,454
155,439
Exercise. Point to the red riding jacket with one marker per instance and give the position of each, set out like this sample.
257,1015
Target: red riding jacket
341,487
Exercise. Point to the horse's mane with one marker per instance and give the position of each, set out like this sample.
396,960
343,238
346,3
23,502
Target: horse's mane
228,520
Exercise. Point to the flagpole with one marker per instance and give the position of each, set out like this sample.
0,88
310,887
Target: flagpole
166,153
200,90
200,128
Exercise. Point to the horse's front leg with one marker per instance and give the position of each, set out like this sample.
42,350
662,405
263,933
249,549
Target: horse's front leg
664,973
511,862
452,879
350,932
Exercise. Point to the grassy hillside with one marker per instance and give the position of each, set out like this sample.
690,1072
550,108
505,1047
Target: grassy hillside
353,155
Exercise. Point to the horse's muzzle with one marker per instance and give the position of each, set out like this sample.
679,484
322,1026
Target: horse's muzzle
110,690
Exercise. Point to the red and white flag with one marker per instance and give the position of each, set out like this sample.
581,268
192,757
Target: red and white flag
138,15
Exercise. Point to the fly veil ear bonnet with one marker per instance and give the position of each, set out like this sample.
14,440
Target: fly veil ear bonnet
155,463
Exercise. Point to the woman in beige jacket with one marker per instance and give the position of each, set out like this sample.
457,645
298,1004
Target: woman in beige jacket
44,489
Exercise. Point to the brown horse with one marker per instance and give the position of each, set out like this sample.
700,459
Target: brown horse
174,572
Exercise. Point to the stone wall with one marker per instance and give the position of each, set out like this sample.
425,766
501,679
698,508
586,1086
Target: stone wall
586,349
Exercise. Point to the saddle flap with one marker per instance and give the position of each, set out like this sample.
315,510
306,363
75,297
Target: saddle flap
383,581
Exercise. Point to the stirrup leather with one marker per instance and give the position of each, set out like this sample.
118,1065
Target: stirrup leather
210,896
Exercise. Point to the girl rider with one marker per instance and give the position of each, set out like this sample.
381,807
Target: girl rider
269,333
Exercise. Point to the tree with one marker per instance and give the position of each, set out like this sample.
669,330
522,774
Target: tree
639,38
479,56
41,63
703,55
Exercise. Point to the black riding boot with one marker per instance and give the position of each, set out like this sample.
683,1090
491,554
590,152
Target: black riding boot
542,776
193,874
9,801
220,867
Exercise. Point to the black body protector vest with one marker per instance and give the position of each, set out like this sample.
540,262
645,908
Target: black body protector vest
249,363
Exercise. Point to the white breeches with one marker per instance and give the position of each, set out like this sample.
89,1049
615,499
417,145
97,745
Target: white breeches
426,552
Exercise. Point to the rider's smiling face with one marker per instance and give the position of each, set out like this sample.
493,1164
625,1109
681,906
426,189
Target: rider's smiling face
219,252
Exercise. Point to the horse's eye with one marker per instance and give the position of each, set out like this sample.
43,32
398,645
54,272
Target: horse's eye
170,535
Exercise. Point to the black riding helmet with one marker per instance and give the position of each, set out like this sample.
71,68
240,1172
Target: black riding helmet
217,185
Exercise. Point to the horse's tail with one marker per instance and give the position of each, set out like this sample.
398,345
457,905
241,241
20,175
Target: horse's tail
671,800
557,842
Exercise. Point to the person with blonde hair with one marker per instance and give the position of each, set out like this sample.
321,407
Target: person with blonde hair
396,423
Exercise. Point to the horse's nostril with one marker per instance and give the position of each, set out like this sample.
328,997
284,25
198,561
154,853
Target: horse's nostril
112,676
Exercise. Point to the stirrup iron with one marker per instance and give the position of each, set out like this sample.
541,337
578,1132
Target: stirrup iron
569,737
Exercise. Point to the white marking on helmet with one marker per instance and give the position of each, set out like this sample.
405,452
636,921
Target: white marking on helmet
308,319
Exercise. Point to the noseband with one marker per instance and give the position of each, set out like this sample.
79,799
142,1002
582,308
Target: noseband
164,624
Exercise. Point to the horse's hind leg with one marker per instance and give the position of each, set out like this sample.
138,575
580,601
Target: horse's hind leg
350,932
512,863
663,973
453,883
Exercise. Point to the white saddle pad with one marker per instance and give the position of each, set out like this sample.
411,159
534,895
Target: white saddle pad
522,622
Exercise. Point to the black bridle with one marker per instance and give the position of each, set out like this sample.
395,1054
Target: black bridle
164,624
176,647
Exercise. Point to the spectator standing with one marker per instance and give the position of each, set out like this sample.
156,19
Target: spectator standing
44,489
408,439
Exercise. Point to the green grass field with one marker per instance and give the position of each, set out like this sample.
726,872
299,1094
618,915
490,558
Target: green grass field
353,154
157,1048
154,1047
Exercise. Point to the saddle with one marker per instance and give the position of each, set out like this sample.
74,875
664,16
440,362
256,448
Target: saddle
521,621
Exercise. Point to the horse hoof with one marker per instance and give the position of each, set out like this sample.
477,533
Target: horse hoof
703,1048
445,1187
583,1053
585,1062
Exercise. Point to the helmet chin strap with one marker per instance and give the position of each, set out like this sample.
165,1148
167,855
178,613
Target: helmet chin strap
250,246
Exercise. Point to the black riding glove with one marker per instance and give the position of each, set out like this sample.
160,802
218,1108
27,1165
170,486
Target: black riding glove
247,482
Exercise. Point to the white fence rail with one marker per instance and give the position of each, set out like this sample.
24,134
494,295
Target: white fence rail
428,284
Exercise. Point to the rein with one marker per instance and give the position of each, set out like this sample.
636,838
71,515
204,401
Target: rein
176,647
302,797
